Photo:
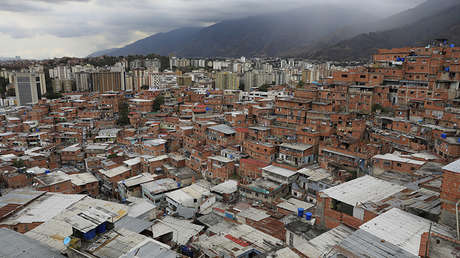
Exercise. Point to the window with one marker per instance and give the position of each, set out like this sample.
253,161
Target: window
399,164
342,207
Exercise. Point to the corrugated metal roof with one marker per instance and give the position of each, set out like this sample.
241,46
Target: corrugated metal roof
52,178
151,249
82,178
182,230
454,166
225,129
324,242
137,180
297,146
293,204
286,253
364,244
56,229
279,171
226,187
403,229
397,158
253,214
140,208
363,189
133,224
114,171
43,208
16,199
13,244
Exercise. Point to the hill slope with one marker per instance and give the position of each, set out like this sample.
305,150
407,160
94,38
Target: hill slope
445,24
268,34
322,32
160,43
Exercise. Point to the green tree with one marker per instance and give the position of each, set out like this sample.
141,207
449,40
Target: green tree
19,163
300,84
242,86
50,94
111,156
264,87
123,112
159,100
11,92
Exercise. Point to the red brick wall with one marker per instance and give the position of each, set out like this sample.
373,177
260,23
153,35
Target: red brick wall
63,187
450,190
22,227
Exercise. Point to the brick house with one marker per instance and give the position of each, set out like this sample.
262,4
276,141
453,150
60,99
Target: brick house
450,192
448,147
346,203
296,155
262,151
84,183
220,168
250,169
154,147
54,182
220,135
396,163
111,177
140,105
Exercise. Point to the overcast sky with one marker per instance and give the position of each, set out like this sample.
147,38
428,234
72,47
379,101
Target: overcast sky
56,28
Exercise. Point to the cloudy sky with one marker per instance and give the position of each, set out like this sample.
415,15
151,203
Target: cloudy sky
56,28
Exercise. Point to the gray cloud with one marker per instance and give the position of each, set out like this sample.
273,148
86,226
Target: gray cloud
112,23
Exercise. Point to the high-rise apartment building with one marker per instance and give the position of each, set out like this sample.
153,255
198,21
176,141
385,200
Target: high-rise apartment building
83,81
227,81
30,87
256,78
105,81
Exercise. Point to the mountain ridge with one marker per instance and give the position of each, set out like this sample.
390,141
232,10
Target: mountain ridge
320,32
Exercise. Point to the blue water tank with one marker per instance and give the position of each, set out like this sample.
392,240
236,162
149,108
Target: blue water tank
178,184
47,171
447,69
67,241
300,212
101,228
444,136
458,140
452,45
89,235
308,215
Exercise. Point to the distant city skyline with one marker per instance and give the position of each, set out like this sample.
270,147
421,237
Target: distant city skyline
55,28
